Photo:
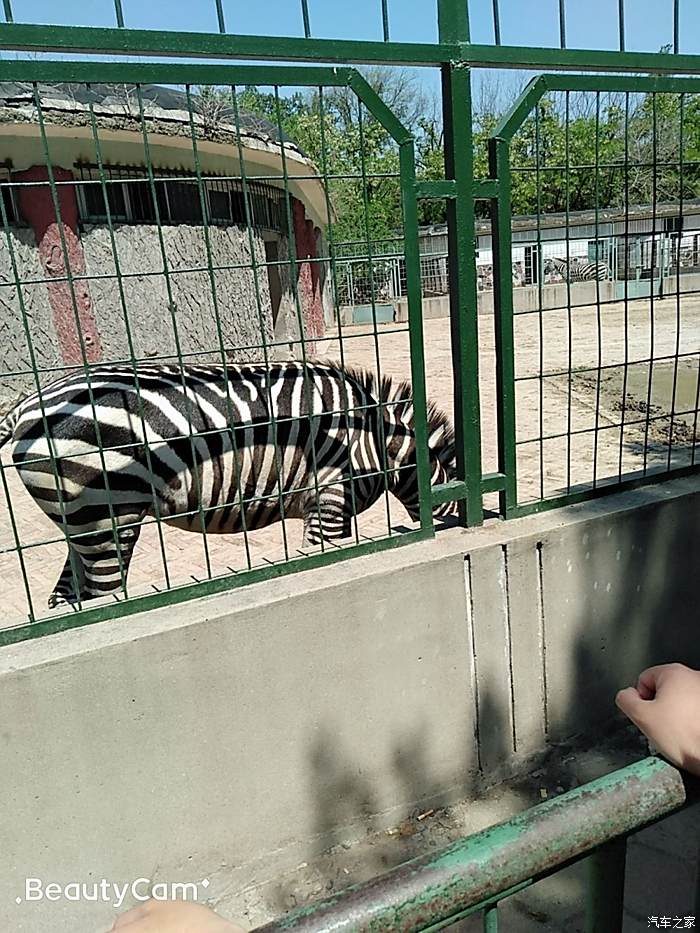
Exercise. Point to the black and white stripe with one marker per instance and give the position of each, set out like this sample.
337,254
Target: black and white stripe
215,450
576,271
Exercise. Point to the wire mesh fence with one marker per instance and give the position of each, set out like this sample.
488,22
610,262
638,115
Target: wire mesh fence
605,332
166,232
176,356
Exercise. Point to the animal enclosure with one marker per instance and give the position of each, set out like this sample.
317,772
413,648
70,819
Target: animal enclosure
238,299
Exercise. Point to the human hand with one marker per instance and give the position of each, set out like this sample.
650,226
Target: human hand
173,917
665,705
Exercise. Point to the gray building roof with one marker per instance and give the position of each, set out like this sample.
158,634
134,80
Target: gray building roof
165,109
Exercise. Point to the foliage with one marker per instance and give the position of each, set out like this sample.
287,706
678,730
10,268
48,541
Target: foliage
574,152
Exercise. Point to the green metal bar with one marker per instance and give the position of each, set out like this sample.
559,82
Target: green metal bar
436,189
625,371
605,894
482,906
336,298
521,57
681,195
486,189
376,106
119,13
513,119
499,163
171,43
540,298
562,24
599,321
220,16
660,84
494,482
171,73
496,23
195,450
569,332
476,871
449,492
453,23
491,919
217,319
575,497
655,258
621,23
385,20
55,201
415,329
312,418
375,333
459,167
129,339
305,17
7,6
191,591
676,26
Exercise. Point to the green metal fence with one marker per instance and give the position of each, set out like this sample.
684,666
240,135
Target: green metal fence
82,275
476,874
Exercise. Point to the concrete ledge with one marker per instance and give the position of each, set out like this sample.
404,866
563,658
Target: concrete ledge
237,735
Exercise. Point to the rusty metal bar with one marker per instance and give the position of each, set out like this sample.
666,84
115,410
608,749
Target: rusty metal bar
481,869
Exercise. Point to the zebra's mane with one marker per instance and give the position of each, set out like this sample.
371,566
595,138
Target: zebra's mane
397,393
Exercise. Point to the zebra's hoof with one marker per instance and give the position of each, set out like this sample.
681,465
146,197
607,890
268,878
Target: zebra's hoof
61,599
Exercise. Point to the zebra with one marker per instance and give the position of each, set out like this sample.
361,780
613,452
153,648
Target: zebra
216,450
576,271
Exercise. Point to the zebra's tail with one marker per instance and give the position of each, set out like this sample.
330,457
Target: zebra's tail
8,424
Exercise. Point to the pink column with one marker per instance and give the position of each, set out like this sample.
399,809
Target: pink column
309,280
36,207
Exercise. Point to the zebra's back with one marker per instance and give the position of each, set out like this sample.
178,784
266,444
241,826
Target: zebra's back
191,444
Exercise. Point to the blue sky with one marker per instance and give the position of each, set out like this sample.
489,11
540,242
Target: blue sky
590,23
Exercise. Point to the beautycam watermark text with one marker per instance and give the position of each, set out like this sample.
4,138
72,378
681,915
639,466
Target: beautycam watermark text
111,892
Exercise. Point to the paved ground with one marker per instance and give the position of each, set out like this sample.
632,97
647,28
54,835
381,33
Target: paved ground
556,341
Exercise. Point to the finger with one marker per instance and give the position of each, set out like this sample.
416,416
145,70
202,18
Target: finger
634,706
649,681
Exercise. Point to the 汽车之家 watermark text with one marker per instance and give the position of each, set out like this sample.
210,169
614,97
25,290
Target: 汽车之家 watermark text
671,923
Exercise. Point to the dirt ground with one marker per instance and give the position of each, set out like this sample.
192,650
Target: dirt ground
602,410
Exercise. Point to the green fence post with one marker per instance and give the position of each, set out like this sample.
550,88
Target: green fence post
499,156
459,166
605,890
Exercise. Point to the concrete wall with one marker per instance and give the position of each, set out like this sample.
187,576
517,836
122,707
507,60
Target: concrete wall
526,298
234,736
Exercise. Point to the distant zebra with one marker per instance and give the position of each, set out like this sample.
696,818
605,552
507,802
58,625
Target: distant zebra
168,449
576,271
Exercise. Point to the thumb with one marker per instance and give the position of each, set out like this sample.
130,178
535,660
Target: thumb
633,706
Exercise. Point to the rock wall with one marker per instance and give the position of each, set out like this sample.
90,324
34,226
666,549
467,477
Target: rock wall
179,296
16,377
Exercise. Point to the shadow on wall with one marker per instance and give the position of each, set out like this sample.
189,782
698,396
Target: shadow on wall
637,603
348,808
605,598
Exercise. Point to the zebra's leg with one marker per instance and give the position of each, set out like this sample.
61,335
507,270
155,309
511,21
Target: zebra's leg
328,518
64,592
105,562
